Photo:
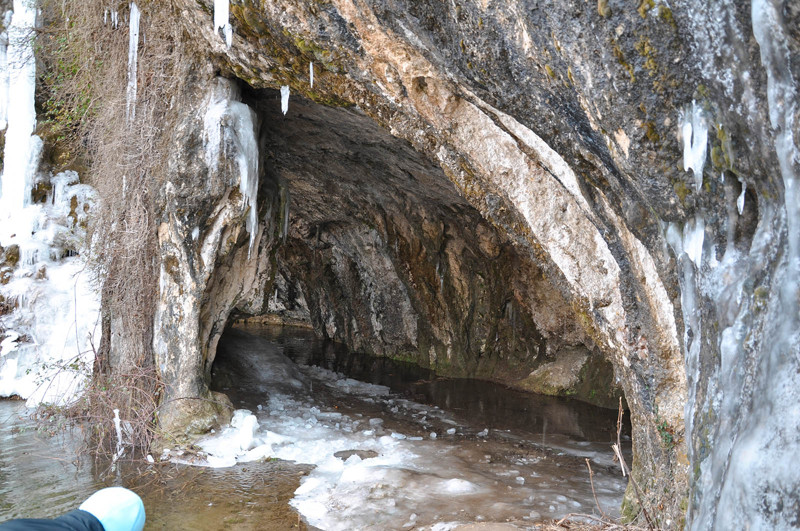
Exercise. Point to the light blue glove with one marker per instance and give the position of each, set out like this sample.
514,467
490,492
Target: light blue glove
117,508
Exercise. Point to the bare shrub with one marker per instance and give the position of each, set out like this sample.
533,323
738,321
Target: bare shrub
83,96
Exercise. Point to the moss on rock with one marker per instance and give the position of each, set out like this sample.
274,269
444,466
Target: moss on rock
11,256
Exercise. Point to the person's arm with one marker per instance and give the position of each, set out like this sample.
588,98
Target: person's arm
76,520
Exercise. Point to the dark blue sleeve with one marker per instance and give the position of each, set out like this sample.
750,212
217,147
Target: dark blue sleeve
76,520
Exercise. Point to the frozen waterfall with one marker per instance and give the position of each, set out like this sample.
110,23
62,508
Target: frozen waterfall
222,20
22,148
46,341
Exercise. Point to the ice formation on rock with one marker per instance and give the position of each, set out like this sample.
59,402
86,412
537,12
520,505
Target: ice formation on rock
229,122
51,335
133,51
46,342
695,139
222,20
22,148
284,99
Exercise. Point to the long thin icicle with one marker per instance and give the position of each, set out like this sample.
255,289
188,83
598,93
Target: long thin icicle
311,73
4,73
285,99
118,428
222,20
133,53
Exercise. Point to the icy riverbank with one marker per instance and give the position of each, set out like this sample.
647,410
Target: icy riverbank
383,461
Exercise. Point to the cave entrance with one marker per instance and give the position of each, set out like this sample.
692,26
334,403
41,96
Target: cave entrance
418,317
380,252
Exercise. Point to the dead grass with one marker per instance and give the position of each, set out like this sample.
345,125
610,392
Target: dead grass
578,523
84,86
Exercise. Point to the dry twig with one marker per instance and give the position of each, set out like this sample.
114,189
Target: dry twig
626,471
591,481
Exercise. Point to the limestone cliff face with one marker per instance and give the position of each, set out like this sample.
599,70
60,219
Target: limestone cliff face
210,262
541,178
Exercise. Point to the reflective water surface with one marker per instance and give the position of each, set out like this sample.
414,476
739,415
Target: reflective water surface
498,455
41,476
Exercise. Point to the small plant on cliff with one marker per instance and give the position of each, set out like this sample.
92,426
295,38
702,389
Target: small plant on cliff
666,432
667,436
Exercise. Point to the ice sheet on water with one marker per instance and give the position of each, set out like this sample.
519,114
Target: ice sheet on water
375,469
347,385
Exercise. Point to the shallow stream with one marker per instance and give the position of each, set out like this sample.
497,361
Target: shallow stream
349,442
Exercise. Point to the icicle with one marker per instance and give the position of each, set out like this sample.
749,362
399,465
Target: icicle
285,99
693,236
4,73
114,18
695,138
244,128
105,16
740,199
310,74
133,52
286,217
221,20
118,428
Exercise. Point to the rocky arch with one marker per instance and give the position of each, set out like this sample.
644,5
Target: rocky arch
573,223
375,245
384,252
